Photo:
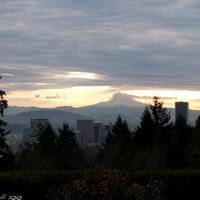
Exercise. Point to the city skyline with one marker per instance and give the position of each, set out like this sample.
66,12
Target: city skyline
74,53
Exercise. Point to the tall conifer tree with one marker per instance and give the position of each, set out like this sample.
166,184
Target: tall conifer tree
160,114
5,152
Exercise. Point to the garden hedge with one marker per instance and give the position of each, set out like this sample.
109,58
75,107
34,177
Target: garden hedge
178,184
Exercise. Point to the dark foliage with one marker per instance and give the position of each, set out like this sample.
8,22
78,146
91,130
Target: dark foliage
50,150
6,156
68,153
155,143
145,133
115,153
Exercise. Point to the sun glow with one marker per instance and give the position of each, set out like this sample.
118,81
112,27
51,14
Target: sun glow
76,75
78,96
82,75
74,96
169,97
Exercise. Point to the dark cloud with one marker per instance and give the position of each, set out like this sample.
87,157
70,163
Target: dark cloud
53,96
150,97
57,96
37,96
130,43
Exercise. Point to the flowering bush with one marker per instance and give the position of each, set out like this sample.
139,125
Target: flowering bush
136,192
99,184
58,194
152,191
104,184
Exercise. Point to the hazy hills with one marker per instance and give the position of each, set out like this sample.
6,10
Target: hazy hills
54,116
58,115
105,112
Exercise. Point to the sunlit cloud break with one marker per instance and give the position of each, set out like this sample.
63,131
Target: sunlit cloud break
82,75
7,74
50,46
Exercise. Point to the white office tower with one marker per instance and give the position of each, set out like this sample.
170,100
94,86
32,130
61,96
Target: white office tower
181,110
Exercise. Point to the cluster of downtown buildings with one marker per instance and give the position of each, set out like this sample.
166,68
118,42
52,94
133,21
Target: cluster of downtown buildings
89,133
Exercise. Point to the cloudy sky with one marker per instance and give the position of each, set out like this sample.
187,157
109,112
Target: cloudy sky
80,52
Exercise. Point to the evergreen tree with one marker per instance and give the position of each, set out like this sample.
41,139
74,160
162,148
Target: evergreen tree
160,114
45,139
183,136
194,146
116,152
144,134
41,152
154,119
50,150
6,157
121,131
144,142
69,154
164,126
151,136
45,146
197,124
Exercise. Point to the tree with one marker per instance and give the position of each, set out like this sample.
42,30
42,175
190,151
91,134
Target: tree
144,134
52,150
160,114
194,146
121,131
69,154
162,119
178,147
45,145
116,152
41,152
45,139
151,135
144,138
6,156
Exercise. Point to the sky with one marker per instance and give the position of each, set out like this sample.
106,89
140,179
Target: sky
81,52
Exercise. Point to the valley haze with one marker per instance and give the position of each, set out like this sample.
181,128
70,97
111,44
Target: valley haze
105,112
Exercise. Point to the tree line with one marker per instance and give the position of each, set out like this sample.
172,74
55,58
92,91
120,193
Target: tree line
156,143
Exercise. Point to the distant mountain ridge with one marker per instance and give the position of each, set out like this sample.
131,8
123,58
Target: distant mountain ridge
104,112
54,116
120,99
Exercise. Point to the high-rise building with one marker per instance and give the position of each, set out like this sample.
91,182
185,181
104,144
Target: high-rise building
85,127
90,133
99,133
181,110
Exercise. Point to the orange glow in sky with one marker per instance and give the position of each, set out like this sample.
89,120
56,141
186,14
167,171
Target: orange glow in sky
87,95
